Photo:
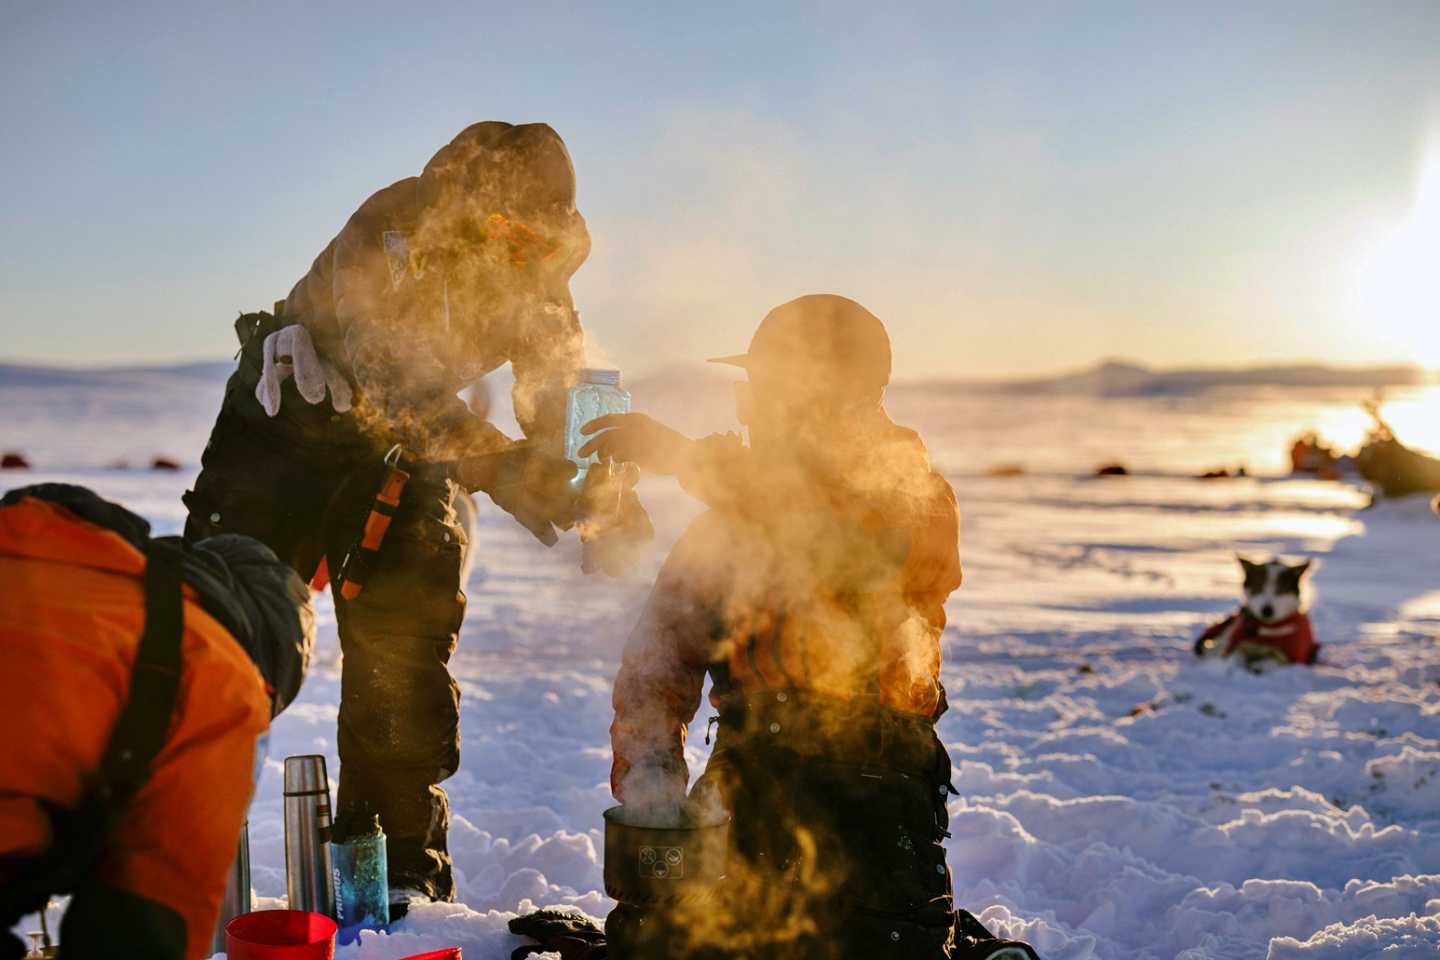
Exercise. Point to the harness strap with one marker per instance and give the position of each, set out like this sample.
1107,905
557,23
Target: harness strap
140,732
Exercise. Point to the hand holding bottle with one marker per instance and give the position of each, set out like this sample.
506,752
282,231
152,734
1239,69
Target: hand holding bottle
613,524
638,439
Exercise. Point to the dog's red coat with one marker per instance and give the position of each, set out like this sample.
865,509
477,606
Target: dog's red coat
1291,636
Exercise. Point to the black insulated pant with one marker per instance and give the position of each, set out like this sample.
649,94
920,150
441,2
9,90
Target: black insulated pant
835,852
301,484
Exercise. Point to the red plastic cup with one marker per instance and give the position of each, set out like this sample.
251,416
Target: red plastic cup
280,935
449,953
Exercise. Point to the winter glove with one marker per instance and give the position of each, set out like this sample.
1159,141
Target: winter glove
289,351
563,930
614,526
638,439
531,486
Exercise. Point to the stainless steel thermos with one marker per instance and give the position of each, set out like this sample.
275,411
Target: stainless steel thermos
237,890
308,879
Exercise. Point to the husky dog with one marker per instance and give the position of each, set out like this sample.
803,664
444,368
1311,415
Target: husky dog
1270,625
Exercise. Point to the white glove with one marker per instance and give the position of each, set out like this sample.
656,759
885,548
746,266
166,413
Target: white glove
289,351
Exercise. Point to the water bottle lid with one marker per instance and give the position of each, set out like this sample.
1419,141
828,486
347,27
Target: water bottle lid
610,378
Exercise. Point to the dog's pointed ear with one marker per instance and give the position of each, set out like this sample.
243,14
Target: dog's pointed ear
1246,563
1302,568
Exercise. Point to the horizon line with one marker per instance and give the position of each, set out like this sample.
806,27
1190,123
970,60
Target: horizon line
1428,374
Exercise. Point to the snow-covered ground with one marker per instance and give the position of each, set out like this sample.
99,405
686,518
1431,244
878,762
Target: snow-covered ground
1291,815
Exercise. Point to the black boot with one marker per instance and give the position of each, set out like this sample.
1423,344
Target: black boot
974,942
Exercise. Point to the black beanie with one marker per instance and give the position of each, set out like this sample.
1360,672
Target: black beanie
262,603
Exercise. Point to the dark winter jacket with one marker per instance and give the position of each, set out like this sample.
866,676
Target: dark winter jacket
833,585
438,279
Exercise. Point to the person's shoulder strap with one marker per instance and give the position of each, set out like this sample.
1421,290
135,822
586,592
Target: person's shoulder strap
141,729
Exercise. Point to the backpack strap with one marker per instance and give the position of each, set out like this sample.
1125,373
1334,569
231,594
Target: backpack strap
140,732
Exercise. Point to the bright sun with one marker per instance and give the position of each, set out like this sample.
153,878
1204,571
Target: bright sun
1398,286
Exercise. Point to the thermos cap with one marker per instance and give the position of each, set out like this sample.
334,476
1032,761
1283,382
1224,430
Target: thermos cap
305,774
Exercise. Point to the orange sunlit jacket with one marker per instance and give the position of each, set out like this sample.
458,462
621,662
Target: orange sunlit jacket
73,598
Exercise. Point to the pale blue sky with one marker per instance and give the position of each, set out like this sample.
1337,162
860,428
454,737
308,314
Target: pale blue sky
1012,187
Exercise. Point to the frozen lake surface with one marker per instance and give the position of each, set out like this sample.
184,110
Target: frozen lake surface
1291,815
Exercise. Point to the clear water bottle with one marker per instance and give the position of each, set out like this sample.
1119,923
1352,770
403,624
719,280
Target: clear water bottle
597,393
362,889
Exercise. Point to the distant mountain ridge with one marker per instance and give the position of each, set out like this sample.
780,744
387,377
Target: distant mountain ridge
36,375
1123,378
1110,378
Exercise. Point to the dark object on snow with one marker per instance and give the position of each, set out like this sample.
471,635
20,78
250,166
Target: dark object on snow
1224,473
568,932
1309,454
1393,468
164,463
14,460
1113,470
675,864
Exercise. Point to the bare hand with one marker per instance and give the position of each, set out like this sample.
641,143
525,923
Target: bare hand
638,439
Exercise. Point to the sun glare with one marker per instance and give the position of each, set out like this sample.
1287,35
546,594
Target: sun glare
1398,286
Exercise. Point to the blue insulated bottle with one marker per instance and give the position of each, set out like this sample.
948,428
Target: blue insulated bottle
362,892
